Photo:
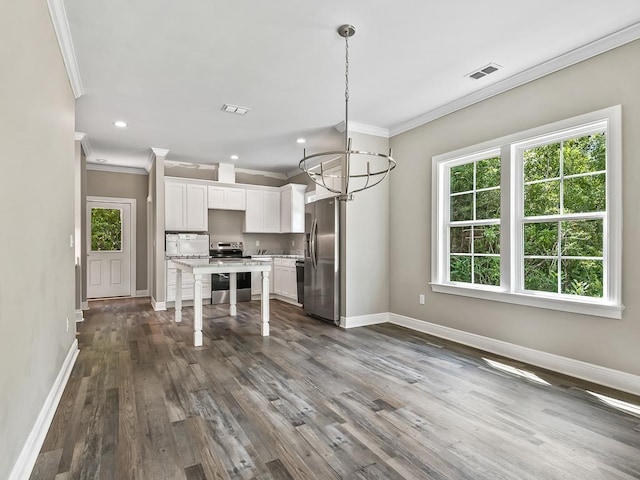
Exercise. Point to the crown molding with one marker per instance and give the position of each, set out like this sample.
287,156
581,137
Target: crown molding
364,128
63,33
580,54
160,152
83,138
102,167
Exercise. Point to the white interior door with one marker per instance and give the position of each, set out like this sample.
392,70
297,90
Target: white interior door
109,249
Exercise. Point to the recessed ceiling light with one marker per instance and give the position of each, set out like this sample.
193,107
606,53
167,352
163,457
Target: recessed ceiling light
101,160
301,140
234,157
120,124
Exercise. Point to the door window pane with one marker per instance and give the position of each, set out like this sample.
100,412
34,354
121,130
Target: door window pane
106,229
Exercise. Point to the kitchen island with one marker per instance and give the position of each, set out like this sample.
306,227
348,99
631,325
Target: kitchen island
199,267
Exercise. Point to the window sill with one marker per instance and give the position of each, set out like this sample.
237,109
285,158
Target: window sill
596,308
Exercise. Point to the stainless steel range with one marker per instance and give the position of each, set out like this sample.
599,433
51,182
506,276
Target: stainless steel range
220,281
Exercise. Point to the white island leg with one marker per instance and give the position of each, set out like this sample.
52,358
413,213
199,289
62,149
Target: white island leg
178,302
264,304
233,310
197,310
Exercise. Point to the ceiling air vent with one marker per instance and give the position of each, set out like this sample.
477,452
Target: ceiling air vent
484,71
234,109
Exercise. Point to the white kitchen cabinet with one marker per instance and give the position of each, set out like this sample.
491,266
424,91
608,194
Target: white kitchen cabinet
292,208
227,198
175,200
256,281
188,283
263,211
197,213
185,206
284,278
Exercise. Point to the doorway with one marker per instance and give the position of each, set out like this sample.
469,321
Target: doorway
111,258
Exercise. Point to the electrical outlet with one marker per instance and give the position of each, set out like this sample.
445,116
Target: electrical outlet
257,243
293,243
421,299
71,243
67,324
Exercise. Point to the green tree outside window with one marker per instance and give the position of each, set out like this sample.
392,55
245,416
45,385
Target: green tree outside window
106,229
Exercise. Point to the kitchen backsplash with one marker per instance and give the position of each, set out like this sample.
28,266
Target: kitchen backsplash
226,226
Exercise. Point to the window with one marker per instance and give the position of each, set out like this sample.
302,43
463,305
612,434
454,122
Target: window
106,229
534,218
474,221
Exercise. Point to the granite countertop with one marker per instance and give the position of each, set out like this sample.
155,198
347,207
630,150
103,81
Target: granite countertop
219,262
277,255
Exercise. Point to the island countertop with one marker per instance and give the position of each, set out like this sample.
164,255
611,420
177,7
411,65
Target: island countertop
221,265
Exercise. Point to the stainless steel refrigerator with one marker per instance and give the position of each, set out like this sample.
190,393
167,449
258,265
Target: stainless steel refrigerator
322,260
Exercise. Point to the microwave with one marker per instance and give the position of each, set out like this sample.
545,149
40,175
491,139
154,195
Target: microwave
187,245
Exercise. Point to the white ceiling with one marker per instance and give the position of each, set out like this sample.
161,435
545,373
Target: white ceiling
166,67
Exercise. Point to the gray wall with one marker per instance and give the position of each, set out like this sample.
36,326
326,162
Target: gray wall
606,80
37,285
366,240
126,185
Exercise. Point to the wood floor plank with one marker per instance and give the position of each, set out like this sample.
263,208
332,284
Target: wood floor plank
313,401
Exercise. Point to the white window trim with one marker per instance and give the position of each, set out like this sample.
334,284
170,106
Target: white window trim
611,305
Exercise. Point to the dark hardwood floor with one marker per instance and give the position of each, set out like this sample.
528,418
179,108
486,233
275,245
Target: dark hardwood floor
313,401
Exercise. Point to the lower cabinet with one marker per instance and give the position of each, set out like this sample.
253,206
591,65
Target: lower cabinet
187,284
284,278
256,282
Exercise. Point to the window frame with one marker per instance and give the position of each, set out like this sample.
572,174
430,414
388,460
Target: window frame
511,289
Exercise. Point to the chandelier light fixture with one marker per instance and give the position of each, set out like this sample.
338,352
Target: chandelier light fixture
345,172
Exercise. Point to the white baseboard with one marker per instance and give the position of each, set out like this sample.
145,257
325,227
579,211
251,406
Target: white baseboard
84,305
158,306
364,320
79,316
142,293
626,382
29,453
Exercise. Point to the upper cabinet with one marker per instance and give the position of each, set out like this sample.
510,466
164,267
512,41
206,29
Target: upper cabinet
227,198
263,210
185,206
292,208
